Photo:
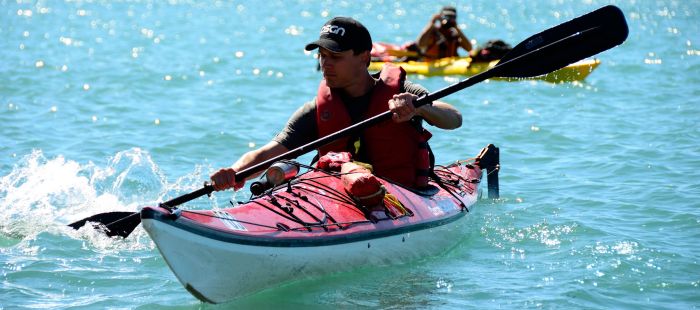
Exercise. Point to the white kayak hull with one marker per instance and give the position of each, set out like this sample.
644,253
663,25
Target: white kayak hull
218,271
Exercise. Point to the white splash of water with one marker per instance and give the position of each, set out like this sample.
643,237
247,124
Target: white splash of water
41,194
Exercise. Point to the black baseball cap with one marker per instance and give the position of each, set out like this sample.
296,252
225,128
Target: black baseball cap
449,11
341,34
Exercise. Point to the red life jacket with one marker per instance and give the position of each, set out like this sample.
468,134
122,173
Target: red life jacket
396,151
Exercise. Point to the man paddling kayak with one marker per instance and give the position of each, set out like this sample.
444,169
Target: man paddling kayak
542,53
397,150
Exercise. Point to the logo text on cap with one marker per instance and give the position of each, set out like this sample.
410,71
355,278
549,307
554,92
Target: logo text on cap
333,29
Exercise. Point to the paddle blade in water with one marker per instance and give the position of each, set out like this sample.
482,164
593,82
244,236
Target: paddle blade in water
123,223
567,43
114,223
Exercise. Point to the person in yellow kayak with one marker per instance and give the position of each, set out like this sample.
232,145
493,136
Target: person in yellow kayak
348,93
442,37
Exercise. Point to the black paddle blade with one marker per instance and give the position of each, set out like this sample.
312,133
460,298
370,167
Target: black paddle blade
567,43
123,223
118,223
551,49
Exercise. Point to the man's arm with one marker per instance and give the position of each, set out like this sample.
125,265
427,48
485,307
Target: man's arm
300,127
427,36
463,40
441,115
225,178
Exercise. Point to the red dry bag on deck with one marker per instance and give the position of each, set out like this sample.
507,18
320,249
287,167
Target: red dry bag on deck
333,160
361,184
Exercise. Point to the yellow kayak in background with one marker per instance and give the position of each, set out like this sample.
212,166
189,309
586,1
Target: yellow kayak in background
464,66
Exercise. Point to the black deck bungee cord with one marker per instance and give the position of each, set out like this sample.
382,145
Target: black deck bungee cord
442,176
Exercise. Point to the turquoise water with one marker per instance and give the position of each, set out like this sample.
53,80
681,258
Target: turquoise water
111,106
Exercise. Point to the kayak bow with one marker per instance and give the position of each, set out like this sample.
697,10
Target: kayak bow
463,66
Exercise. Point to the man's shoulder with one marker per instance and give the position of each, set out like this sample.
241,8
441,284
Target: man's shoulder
307,107
303,114
310,105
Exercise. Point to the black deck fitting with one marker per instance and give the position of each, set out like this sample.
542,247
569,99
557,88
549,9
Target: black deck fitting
490,160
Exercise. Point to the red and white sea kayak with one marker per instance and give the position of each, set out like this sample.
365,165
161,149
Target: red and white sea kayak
310,226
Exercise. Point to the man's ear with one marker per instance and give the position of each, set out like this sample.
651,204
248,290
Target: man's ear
366,57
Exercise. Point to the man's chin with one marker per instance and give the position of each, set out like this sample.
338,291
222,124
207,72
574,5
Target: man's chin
331,83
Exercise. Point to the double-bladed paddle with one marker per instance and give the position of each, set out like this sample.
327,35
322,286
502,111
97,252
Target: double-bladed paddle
539,54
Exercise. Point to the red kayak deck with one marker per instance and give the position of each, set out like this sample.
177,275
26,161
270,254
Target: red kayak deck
314,209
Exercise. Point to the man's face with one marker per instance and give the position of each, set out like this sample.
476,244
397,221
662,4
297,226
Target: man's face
342,69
